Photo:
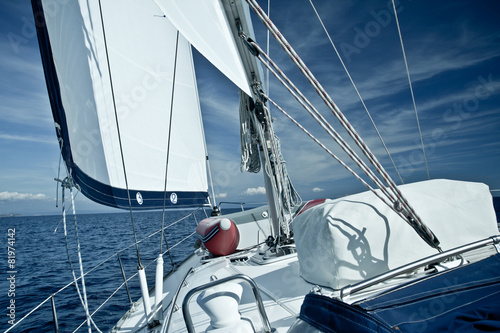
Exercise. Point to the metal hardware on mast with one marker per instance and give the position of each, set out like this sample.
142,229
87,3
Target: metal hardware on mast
238,22
270,173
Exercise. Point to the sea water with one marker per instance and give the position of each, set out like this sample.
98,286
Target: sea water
35,264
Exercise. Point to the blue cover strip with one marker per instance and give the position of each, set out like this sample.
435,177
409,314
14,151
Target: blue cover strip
464,299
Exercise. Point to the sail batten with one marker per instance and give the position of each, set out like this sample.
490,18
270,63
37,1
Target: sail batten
109,69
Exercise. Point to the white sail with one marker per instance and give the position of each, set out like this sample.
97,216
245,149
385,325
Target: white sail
204,24
114,97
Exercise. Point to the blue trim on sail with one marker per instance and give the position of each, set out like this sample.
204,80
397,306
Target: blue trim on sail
52,81
117,197
96,191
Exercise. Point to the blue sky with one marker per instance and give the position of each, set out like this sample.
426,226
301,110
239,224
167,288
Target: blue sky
453,51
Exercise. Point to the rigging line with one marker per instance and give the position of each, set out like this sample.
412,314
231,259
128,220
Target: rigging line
411,89
58,173
321,120
279,174
267,46
66,184
80,262
402,204
214,204
119,137
168,150
275,150
336,112
357,92
307,105
333,155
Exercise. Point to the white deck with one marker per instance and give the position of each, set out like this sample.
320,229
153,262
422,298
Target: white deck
279,283
279,279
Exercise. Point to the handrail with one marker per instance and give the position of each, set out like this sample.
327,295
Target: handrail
351,289
262,311
233,203
242,203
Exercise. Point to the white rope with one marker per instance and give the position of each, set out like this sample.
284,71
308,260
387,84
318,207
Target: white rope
80,262
250,159
275,179
357,92
83,299
284,189
411,89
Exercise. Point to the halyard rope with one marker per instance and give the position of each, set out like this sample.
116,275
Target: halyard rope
68,183
400,203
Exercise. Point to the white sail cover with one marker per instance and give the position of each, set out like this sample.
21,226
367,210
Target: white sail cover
110,69
347,240
204,24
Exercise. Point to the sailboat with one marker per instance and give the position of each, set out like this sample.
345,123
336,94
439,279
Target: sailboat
120,75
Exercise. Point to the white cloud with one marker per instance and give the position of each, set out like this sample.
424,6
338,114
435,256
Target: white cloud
21,196
29,138
255,191
317,189
221,195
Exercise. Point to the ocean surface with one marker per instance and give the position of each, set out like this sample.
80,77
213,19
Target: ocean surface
41,266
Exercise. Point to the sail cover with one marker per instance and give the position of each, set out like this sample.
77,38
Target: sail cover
123,93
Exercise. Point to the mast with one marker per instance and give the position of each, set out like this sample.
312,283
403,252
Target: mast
238,16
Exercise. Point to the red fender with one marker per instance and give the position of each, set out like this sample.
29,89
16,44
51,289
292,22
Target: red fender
219,235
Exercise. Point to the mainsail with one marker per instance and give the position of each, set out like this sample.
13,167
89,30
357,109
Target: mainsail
124,99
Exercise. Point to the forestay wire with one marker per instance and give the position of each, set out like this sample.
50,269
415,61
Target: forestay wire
411,88
357,92
119,138
168,150
399,204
